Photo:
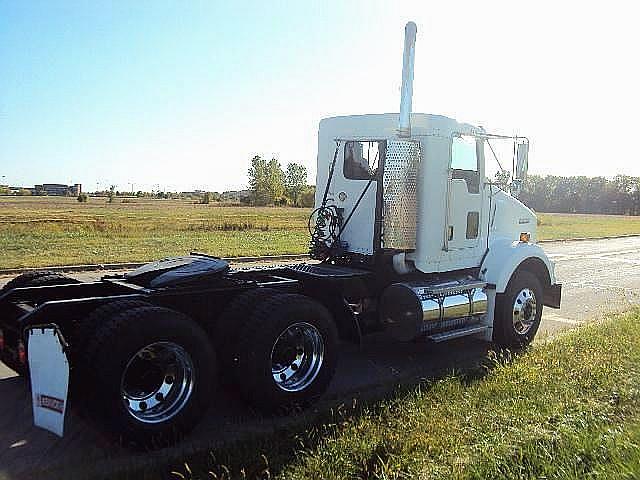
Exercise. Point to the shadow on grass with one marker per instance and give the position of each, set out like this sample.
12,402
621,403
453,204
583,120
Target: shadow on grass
263,457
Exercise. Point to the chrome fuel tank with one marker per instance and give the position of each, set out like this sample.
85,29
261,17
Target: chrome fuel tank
409,309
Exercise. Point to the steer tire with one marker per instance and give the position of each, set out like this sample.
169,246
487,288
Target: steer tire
506,331
269,320
111,353
227,328
38,278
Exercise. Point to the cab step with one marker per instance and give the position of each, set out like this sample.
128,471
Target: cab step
460,332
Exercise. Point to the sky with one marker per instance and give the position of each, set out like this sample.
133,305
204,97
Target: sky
180,95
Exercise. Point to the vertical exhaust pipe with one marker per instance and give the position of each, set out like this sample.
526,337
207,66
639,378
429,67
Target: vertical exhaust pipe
404,123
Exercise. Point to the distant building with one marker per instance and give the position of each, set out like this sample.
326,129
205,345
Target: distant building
58,189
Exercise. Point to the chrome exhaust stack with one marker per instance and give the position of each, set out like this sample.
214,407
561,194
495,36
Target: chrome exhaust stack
400,177
406,94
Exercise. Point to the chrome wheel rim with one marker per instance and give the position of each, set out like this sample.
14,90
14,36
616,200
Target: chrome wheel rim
524,311
157,382
296,357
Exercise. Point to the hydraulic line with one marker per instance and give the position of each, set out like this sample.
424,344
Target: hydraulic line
324,238
324,233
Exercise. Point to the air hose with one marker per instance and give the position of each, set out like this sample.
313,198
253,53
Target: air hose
327,220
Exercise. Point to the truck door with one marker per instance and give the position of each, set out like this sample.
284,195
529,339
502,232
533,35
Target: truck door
464,198
355,190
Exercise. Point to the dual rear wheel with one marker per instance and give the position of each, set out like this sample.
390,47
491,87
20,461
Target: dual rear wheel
148,373
38,278
286,354
278,350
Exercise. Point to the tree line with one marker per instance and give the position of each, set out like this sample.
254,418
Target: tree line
271,185
619,195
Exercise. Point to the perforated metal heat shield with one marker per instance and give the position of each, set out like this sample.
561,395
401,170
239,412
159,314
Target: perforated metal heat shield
400,194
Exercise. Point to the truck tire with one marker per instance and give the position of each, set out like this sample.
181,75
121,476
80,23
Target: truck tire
287,352
84,328
152,371
226,329
38,278
518,311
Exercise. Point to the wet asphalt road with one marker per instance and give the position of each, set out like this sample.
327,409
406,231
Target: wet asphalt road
598,276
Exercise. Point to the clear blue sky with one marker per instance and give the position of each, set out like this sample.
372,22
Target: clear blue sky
182,94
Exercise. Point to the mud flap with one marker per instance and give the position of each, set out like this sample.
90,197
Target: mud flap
49,371
553,295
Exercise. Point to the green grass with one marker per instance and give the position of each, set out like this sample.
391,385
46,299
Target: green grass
41,231
566,409
60,231
554,226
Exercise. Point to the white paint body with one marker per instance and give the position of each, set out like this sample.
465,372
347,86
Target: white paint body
443,202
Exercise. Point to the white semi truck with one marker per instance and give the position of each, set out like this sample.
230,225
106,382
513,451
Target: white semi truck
409,237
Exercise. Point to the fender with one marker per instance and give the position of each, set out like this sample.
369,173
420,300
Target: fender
505,256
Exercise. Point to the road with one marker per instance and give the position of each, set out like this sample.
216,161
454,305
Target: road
599,277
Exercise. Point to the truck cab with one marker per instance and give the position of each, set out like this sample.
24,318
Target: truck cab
406,197
426,198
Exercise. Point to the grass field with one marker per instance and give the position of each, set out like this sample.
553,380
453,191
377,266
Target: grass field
561,225
39,231
566,409
60,231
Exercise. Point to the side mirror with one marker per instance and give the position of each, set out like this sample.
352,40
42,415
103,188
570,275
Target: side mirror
522,161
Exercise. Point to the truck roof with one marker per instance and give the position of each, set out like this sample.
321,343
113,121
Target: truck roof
385,125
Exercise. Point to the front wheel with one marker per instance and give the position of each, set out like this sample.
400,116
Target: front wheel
518,311
151,371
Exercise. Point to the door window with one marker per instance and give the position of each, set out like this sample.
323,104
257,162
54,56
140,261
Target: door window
464,162
361,159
